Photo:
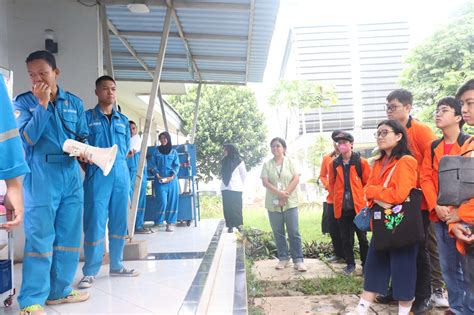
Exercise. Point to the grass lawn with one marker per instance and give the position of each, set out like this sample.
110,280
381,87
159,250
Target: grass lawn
257,217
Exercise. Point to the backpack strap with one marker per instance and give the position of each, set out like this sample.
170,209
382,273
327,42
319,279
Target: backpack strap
434,145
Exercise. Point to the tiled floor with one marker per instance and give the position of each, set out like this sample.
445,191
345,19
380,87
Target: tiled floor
166,277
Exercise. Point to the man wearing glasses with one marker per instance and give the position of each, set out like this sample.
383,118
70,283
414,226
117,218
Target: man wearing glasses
398,107
448,118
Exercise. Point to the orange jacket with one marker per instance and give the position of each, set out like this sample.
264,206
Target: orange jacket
429,173
466,210
324,174
403,180
336,185
419,137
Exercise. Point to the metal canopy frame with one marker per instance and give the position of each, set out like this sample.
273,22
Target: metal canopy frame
231,49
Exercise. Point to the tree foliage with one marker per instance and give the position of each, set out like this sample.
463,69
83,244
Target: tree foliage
227,114
442,63
295,97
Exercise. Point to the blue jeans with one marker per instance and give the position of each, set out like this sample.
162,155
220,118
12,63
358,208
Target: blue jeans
289,219
451,262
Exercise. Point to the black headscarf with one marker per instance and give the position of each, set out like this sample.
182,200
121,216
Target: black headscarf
165,149
230,162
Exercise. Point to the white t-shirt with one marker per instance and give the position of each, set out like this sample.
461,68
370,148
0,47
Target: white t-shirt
237,179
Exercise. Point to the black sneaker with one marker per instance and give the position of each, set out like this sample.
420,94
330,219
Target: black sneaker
348,270
385,299
230,230
422,306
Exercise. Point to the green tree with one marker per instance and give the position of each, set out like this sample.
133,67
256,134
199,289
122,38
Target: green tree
295,97
227,114
441,63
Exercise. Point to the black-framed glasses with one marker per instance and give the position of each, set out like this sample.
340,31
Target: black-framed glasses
382,134
391,108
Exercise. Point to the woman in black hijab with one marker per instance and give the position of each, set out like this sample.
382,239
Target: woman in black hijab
233,176
165,167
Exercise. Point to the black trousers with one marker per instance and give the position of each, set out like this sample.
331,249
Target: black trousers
423,265
347,229
334,232
232,204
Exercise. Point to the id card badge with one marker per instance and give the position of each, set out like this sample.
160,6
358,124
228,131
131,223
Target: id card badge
279,186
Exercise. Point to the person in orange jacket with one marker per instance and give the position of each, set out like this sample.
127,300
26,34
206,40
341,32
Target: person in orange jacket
448,118
348,174
461,221
329,206
399,105
398,264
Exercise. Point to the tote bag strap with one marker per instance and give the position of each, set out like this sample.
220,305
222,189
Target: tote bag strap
389,177
383,204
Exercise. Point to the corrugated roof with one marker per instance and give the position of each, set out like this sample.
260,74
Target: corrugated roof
217,32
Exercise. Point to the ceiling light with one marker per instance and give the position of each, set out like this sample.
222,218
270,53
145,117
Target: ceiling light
138,8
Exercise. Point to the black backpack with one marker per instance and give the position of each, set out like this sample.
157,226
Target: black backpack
357,165
461,139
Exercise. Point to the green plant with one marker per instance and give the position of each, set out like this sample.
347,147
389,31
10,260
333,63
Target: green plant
211,207
315,249
258,244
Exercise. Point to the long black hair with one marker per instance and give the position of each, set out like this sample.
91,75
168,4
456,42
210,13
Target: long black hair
401,148
230,162
165,149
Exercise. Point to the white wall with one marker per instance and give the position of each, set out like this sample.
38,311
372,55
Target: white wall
76,30
3,35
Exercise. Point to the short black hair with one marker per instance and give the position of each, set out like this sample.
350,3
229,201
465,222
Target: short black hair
469,85
454,104
131,122
42,55
403,96
103,78
280,140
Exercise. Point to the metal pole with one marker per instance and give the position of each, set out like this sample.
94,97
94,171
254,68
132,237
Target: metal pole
149,119
163,113
105,40
196,107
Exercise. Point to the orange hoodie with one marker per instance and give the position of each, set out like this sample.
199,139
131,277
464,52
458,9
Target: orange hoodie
419,137
429,173
324,174
466,210
336,184
403,180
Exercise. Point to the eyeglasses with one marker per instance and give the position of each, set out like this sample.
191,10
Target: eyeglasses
382,134
391,108
276,146
442,111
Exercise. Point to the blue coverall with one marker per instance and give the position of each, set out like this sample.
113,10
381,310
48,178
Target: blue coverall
106,197
132,163
53,195
167,195
12,163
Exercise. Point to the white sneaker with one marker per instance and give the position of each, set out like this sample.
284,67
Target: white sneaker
282,264
438,298
300,266
169,228
86,282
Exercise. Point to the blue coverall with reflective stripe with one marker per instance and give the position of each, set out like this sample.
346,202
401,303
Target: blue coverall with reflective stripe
132,163
106,197
53,195
167,195
12,163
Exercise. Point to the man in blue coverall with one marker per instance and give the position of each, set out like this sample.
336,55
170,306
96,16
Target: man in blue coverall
106,197
12,163
132,162
46,116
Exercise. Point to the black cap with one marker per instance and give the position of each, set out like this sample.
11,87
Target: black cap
342,135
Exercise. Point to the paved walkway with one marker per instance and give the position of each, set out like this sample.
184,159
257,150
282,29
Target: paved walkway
194,270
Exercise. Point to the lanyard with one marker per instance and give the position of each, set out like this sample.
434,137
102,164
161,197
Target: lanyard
281,169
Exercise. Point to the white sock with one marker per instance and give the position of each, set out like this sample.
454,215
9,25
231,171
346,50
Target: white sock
363,307
403,310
